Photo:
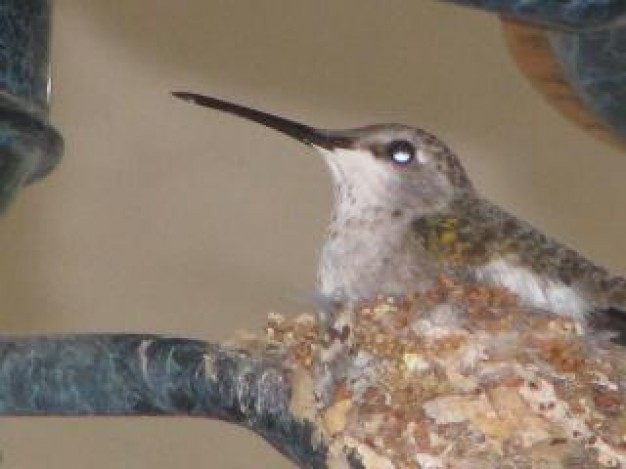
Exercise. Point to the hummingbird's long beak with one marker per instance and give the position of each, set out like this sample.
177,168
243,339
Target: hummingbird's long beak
304,133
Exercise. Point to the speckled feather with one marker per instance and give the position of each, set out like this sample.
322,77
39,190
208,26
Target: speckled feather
472,232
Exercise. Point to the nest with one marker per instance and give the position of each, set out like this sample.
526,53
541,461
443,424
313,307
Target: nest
457,377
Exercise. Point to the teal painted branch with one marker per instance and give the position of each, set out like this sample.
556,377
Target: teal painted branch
595,65
29,146
146,375
568,14
588,41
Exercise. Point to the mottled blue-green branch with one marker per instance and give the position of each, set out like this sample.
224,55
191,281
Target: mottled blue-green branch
588,40
139,375
29,146
595,64
571,14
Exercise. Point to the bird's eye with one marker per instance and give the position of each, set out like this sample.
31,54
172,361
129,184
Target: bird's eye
401,152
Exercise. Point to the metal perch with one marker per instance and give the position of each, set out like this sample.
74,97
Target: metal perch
98,375
29,146
573,51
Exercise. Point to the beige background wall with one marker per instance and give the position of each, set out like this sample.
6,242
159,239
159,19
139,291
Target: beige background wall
168,218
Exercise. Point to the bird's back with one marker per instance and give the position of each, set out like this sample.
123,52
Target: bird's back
475,238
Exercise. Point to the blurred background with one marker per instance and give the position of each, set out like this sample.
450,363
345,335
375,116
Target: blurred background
168,218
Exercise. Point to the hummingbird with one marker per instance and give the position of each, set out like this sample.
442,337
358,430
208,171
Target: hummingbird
406,212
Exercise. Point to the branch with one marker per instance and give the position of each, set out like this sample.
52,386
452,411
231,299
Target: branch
570,14
95,375
29,146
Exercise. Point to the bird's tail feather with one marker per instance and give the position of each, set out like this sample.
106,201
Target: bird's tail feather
611,320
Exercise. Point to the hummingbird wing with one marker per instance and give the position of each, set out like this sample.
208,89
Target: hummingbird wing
473,237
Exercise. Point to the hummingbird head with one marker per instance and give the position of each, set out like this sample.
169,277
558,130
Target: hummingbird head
380,166
396,165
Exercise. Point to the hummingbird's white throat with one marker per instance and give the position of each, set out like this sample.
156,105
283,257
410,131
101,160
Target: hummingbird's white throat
367,231
361,181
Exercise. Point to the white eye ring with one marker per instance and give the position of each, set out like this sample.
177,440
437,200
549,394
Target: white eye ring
402,157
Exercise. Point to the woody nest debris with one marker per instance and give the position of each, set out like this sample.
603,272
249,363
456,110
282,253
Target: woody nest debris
458,377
